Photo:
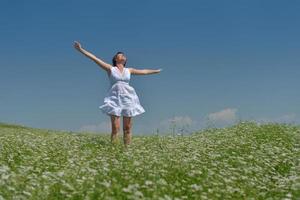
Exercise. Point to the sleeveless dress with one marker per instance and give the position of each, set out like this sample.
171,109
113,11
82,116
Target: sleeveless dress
121,99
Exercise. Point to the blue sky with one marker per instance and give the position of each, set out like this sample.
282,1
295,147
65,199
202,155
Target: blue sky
222,61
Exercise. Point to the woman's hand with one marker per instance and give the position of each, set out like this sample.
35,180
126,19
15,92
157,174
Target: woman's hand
159,70
77,46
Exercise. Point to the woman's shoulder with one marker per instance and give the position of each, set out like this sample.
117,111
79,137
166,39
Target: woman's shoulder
129,69
109,72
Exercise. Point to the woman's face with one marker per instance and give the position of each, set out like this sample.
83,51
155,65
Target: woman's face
120,58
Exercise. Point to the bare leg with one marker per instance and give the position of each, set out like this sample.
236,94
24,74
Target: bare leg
127,124
115,128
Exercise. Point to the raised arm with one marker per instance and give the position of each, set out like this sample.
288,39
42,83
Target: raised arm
98,61
143,71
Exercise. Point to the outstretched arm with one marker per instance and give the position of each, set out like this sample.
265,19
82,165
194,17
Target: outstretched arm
144,71
98,61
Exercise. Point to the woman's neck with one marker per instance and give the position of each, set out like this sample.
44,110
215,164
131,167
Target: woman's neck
120,65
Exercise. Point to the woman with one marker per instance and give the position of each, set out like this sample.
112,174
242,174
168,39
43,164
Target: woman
121,99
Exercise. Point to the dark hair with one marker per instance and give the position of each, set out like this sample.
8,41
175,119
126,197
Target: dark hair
115,56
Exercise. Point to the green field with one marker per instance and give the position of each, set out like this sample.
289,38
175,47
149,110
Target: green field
244,161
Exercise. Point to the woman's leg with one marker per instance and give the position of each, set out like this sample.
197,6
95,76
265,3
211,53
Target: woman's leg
115,128
127,124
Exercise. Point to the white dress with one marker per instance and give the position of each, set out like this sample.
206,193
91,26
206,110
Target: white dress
121,99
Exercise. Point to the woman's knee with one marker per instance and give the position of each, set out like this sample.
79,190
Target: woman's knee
116,129
127,123
127,128
115,123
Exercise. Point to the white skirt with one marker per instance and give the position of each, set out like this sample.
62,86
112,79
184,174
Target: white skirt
122,100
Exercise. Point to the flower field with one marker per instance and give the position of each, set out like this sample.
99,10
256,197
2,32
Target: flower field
244,161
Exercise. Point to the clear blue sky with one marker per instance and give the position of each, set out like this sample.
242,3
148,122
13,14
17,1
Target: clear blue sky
222,60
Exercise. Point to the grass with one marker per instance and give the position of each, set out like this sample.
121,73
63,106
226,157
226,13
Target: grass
244,161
